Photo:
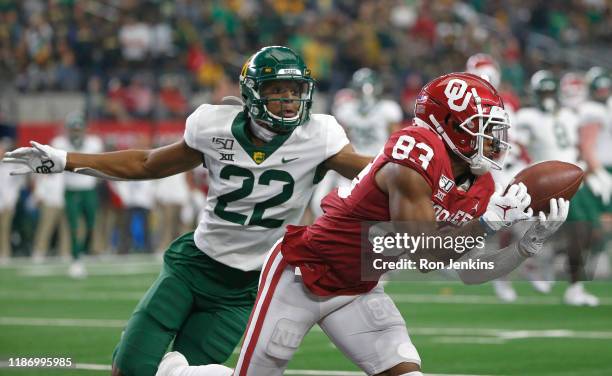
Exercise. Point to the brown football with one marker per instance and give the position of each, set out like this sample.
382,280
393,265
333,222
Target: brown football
549,179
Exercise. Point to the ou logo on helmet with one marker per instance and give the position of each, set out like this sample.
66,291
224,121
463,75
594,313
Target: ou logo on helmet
455,90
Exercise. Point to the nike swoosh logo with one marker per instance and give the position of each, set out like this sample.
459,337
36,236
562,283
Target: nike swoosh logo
289,160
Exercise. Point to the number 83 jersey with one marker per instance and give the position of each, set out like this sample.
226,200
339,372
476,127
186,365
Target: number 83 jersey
328,252
254,191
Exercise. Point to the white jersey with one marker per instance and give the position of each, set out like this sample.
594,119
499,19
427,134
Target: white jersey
91,145
549,135
255,191
368,130
513,163
9,188
592,112
172,190
49,189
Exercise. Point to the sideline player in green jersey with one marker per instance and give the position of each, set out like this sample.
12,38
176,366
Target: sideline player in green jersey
264,159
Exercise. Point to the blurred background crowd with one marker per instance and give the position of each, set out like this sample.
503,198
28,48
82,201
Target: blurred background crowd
145,58
156,60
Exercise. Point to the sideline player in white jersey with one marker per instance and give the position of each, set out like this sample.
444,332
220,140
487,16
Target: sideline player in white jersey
81,194
573,91
485,66
368,119
596,142
551,131
263,159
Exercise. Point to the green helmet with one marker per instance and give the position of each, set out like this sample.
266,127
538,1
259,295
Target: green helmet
367,86
600,83
75,120
75,124
545,89
275,63
366,81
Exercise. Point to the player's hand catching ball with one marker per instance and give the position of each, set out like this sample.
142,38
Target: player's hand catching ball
505,209
41,159
544,227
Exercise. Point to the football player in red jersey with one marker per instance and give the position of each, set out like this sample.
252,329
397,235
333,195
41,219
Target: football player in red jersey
434,171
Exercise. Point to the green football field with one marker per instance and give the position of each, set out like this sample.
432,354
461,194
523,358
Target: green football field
458,330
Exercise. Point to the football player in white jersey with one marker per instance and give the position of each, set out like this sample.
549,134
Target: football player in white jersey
485,66
596,142
81,194
573,91
368,118
264,158
551,131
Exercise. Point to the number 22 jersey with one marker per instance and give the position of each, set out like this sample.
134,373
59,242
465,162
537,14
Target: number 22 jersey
328,253
254,191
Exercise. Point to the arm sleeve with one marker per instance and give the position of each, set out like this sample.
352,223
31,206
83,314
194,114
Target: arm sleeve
520,129
591,113
393,112
191,128
504,261
335,138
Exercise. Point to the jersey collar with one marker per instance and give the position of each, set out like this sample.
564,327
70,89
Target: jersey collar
257,153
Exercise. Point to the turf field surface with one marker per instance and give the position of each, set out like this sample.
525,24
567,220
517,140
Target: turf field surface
458,330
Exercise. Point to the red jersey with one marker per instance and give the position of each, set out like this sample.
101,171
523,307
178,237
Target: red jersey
328,252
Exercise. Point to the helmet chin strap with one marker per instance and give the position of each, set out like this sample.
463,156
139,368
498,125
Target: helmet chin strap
260,132
479,166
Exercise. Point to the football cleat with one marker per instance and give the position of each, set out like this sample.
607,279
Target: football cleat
77,270
504,291
576,295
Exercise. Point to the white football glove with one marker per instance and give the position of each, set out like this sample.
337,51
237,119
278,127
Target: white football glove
40,159
505,209
600,183
544,227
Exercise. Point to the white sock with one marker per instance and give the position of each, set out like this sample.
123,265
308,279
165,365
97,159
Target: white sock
175,364
209,370
413,373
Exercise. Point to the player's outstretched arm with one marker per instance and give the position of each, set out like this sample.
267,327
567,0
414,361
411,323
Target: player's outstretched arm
347,162
411,210
505,260
126,164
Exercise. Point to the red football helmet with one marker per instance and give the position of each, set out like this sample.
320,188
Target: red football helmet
485,66
465,110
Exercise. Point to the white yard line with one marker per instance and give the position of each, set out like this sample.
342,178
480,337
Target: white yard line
480,299
398,298
489,333
94,270
470,340
79,296
294,372
80,323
